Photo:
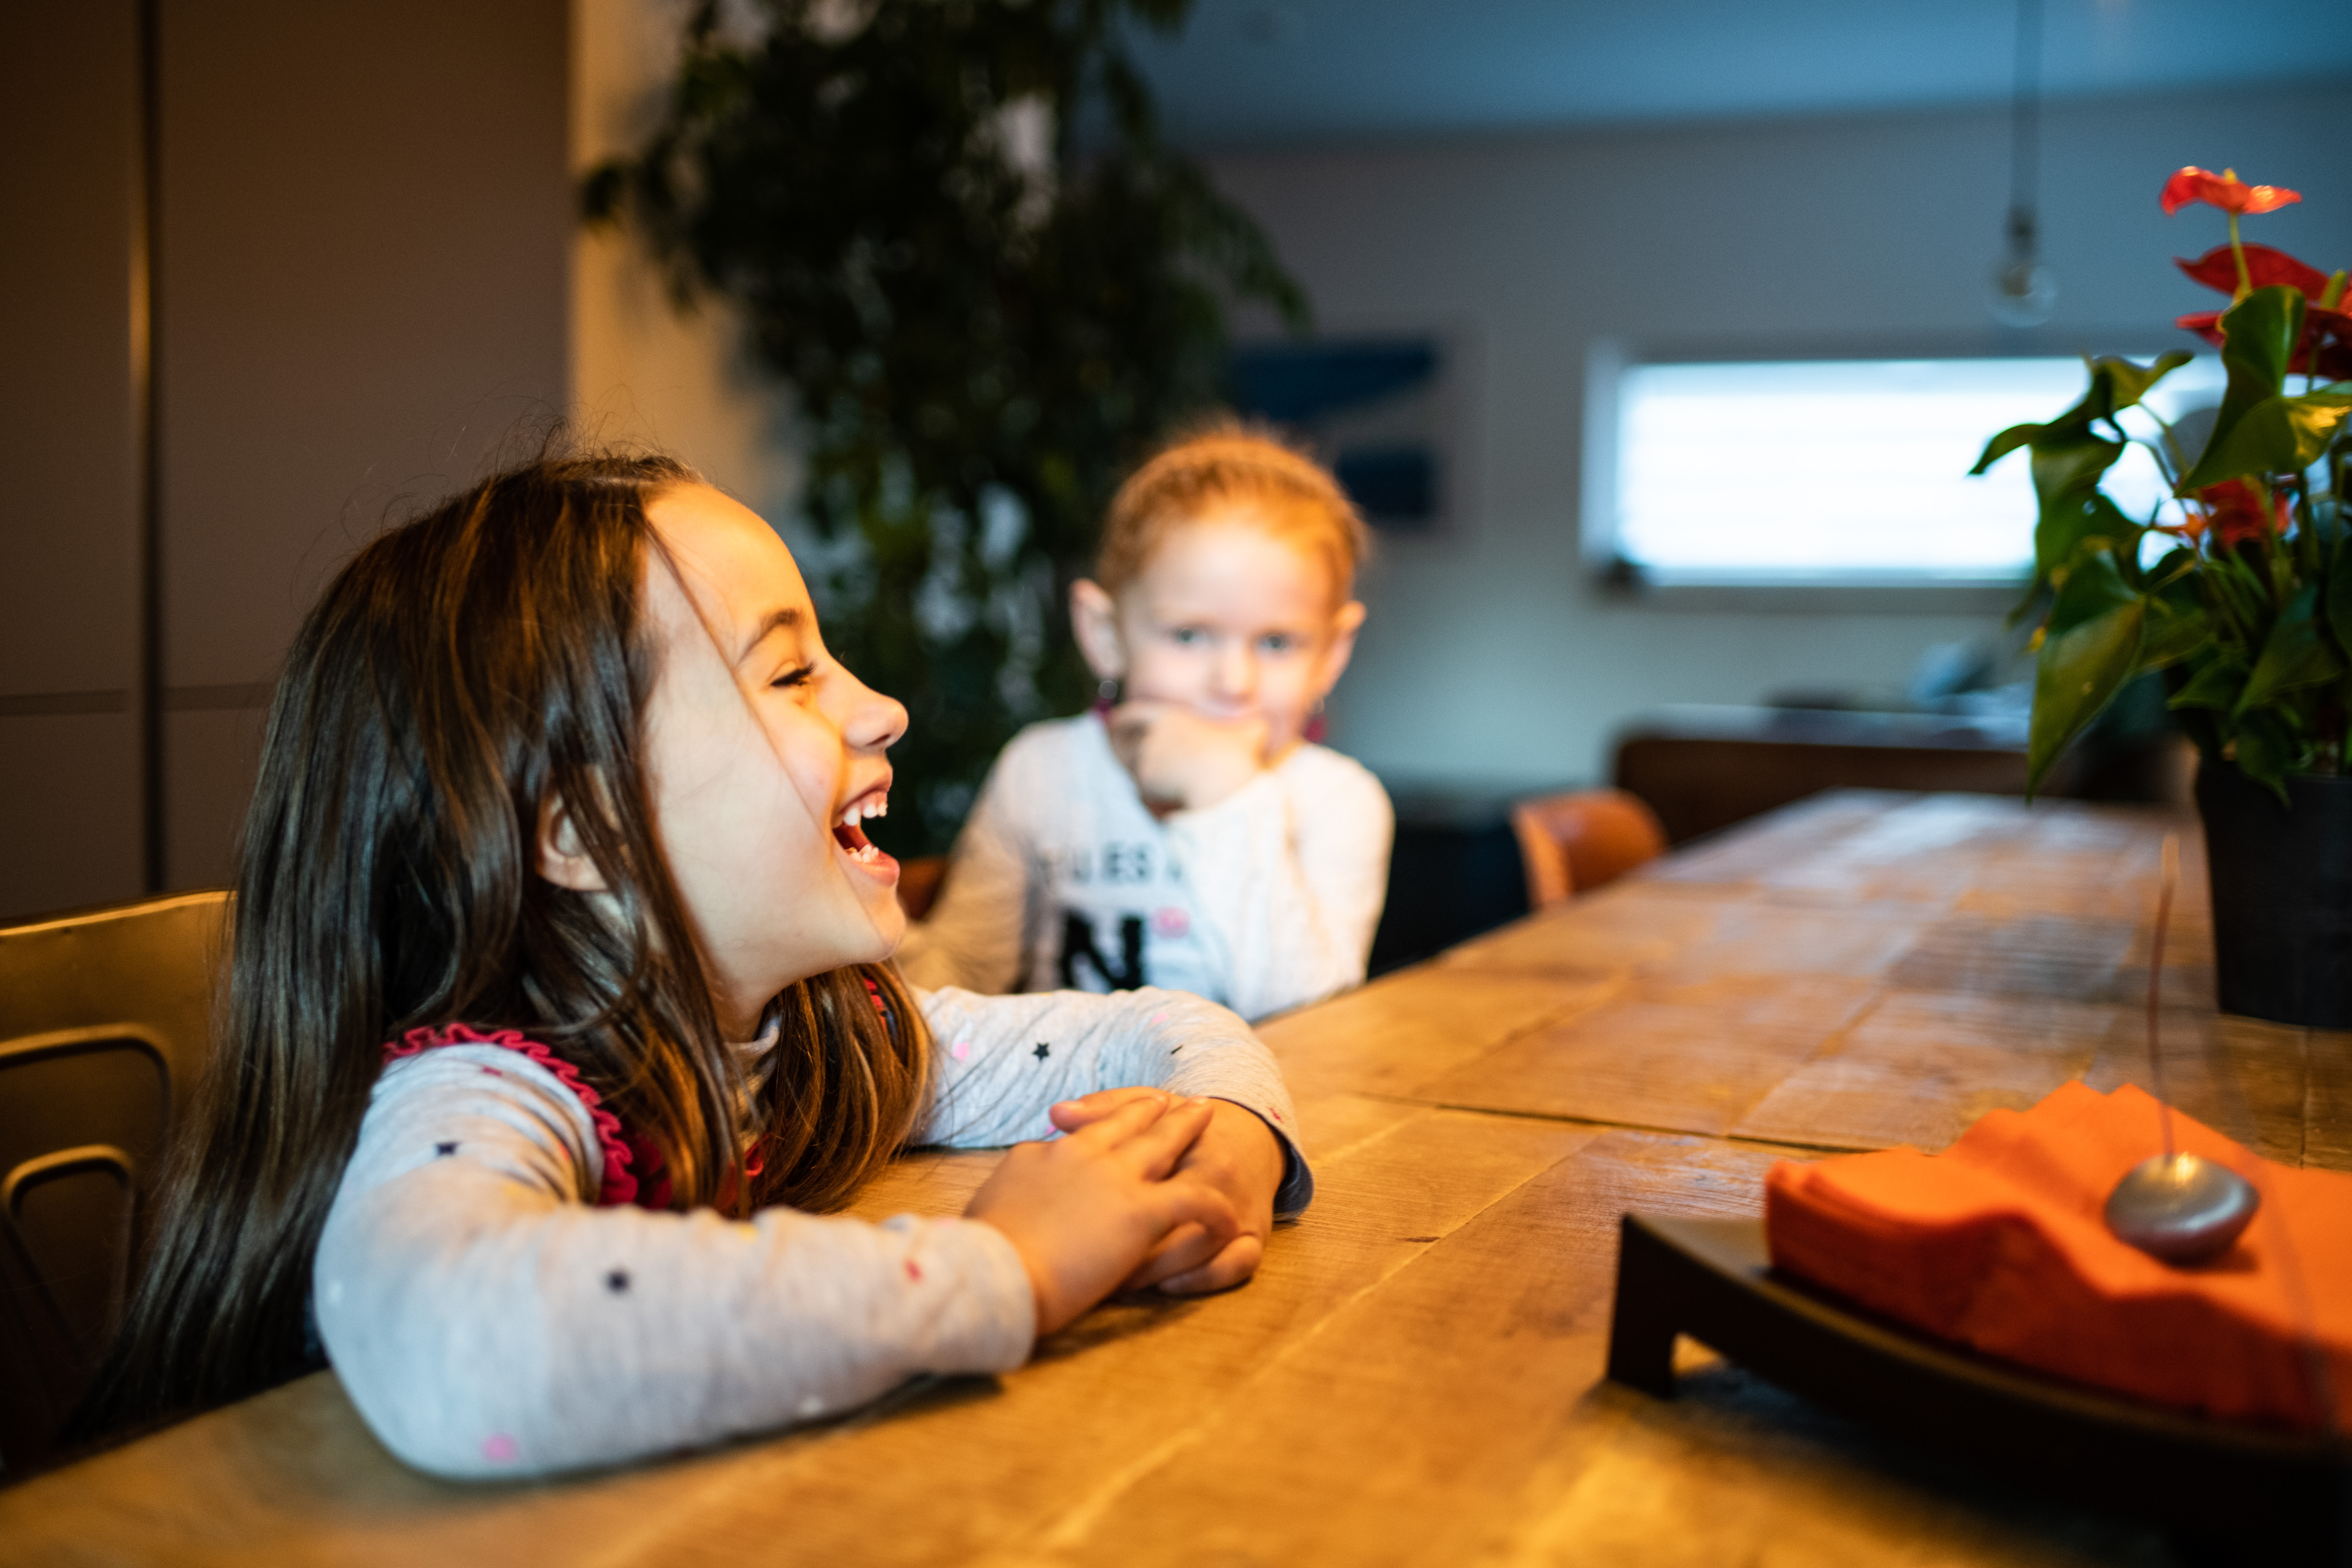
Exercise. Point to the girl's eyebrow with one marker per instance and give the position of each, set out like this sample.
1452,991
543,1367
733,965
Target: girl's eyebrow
774,620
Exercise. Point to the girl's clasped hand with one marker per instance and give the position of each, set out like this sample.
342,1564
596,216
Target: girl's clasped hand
1106,1207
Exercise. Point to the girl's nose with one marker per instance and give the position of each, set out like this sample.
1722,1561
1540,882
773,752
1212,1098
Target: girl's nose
1236,671
873,721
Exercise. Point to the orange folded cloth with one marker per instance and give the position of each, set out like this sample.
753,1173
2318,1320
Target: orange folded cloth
1998,1243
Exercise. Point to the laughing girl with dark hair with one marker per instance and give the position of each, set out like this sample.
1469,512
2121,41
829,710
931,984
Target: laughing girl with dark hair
561,998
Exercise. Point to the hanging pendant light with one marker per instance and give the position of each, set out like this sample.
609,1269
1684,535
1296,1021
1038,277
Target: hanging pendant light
2023,291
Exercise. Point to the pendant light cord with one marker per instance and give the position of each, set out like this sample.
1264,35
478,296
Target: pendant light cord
2025,130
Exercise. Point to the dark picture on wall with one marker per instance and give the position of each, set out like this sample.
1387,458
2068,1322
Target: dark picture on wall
1371,407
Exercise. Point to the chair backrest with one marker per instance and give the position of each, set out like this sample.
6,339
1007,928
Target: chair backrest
105,1019
1578,842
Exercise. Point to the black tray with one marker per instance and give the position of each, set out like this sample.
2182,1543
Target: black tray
2285,1498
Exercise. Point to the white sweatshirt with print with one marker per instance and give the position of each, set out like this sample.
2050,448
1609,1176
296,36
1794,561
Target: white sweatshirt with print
488,1321
1062,879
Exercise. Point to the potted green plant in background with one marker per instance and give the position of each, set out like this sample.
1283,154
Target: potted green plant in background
955,234
2238,589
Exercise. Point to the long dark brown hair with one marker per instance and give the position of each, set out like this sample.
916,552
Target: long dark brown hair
463,668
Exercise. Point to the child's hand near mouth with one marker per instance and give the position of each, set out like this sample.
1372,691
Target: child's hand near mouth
1183,762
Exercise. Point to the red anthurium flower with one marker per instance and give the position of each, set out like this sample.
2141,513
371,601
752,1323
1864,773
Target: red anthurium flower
2223,190
2265,268
2327,347
2235,508
2204,324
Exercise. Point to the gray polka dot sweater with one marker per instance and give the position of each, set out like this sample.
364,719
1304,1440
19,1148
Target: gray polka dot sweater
487,1319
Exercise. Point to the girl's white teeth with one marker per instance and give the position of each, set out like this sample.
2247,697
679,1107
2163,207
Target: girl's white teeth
860,810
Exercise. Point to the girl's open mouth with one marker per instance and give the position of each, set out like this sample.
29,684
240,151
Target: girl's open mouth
850,835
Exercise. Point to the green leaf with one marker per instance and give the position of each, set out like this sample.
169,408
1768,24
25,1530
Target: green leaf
2007,441
2216,685
2176,564
2125,383
2072,464
2339,597
2260,333
2092,589
2276,436
2173,634
2116,383
2179,624
2245,594
2066,471
603,190
2297,653
2089,648
2265,751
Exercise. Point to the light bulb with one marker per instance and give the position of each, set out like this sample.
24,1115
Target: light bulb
2022,292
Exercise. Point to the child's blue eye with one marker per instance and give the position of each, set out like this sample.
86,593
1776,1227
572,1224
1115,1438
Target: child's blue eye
1277,642
1187,635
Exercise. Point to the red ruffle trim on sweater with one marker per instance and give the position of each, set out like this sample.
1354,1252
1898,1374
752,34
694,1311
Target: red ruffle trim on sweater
620,1150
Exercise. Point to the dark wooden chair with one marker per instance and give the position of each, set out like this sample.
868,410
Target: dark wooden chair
1576,842
105,1020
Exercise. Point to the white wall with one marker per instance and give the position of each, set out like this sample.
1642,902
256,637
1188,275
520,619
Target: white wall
1488,658
641,370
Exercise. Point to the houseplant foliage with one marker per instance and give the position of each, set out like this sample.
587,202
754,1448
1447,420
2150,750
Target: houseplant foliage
2239,587
954,233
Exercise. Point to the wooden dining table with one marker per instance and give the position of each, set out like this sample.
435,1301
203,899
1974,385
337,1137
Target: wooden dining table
1415,1375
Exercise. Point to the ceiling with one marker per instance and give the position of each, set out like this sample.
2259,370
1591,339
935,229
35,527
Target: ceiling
1266,73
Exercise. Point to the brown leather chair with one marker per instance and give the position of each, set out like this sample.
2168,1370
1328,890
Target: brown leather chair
105,1020
1575,843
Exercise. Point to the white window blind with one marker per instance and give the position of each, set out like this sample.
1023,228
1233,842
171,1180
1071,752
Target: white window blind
1849,471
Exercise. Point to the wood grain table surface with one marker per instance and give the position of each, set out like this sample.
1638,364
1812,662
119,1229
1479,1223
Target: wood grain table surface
1414,1377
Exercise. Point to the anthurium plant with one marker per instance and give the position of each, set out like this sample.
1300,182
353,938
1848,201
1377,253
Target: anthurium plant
2237,587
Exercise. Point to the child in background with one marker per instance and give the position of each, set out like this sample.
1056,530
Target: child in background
1191,833
561,992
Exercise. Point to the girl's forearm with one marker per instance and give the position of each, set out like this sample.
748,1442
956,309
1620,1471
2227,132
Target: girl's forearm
488,1322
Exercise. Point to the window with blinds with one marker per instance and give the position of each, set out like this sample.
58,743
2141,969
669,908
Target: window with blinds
1850,471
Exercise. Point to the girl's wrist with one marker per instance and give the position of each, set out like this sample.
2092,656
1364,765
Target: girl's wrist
1030,1271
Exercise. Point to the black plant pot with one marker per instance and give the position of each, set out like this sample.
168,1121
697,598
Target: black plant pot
2282,895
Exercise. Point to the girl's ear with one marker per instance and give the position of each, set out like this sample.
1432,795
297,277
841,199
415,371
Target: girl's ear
1094,620
563,858
1344,627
